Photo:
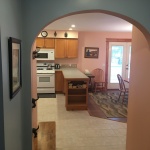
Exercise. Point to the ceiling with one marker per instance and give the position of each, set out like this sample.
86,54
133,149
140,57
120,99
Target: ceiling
91,22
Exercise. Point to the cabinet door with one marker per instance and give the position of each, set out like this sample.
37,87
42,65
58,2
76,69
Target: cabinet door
49,43
59,81
72,48
39,42
45,43
60,48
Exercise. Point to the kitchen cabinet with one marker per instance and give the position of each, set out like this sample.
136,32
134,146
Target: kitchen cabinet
59,81
72,48
66,48
45,42
60,48
76,94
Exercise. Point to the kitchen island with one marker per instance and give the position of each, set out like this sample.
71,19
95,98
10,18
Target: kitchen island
75,89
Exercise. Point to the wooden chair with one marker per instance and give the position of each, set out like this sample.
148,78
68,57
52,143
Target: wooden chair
122,87
99,83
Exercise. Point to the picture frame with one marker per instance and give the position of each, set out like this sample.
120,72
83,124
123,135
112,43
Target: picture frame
91,52
15,81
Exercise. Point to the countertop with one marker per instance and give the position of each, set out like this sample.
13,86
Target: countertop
72,73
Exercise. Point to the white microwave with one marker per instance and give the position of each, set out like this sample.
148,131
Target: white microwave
46,54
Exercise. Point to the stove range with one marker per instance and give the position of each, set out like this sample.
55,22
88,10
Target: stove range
45,68
45,78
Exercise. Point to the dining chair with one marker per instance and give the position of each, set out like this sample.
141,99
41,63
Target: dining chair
122,88
99,82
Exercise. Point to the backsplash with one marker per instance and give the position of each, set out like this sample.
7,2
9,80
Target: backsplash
68,65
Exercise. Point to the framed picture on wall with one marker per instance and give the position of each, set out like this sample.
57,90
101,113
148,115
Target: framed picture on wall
14,47
91,52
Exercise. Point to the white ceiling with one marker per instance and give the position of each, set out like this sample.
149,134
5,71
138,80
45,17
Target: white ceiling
91,22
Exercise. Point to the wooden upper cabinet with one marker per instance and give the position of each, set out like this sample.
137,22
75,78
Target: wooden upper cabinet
39,42
60,48
45,43
50,42
72,48
66,48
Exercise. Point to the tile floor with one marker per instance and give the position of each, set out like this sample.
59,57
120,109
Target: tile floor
77,130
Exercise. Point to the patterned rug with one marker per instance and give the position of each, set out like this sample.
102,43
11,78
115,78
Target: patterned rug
109,104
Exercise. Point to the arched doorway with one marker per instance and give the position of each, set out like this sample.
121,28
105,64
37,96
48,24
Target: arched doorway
81,49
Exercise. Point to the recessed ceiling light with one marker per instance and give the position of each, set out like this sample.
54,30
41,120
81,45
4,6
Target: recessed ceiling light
73,26
70,28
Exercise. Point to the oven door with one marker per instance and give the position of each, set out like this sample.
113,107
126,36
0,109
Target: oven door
45,80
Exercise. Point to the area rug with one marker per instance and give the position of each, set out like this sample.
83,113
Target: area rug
109,104
47,95
46,136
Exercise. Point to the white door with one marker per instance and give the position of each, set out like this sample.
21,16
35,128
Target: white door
119,62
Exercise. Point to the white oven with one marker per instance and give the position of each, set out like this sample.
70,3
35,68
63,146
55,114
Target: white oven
45,83
45,78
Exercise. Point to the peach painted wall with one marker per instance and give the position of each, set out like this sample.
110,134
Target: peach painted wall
34,89
93,39
138,125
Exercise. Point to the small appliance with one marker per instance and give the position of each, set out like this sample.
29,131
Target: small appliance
46,54
57,66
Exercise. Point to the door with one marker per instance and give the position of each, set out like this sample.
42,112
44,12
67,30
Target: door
119,62
59,80
72,48
60,48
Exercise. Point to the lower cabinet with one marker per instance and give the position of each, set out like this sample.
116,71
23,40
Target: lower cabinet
76,94
59,82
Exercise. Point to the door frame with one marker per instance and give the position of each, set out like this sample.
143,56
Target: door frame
108,40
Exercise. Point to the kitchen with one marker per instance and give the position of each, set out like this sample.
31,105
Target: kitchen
52,77
94,39
69,50
48,44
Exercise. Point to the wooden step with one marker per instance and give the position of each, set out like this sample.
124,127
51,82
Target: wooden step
46,137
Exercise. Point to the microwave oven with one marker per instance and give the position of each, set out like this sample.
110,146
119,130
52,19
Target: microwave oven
46,54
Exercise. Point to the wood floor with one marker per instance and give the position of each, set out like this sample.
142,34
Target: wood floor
46,138
95,111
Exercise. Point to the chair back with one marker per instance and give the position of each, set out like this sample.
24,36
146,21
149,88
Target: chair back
121,83
99,75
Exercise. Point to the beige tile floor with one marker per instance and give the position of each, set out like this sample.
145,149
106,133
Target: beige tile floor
77,130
